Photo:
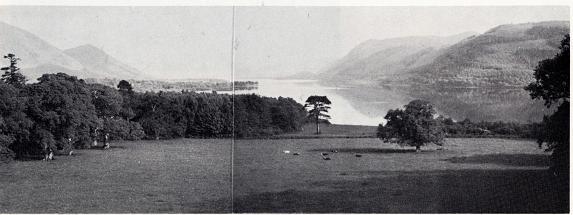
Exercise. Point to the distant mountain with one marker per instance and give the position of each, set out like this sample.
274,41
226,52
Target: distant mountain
97,61
40,57
373,60
33,51
503,56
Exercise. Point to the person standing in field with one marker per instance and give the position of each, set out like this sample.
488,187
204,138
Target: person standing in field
106,141
49,154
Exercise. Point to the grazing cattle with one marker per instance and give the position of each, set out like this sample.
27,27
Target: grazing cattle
326,158
358,155
296,153
324,154
286,151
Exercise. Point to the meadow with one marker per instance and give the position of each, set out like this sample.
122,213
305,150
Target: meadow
467,176
194,176
165,176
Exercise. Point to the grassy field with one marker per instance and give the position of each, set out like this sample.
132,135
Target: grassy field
469,175
331,131
174,176
193,175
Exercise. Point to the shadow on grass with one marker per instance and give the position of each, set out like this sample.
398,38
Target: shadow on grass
30,158
110,147
367,150
505,159
461,191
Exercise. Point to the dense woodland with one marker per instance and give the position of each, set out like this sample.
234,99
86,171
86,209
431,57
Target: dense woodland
61,112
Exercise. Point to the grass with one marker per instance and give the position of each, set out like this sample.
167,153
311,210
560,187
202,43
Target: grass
469,175
193,176
331,131
175,176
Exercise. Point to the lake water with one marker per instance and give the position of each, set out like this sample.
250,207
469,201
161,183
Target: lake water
368,106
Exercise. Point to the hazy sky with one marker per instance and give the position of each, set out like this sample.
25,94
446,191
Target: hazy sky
195,42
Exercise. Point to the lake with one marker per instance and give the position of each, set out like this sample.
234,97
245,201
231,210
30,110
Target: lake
368,106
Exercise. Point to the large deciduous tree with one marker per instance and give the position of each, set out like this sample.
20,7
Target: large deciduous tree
552,77
414,126
552,85
318,107
15,125
62,105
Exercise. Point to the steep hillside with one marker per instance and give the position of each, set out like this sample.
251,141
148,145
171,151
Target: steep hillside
503,56
97,61
40,57
32,50
383,59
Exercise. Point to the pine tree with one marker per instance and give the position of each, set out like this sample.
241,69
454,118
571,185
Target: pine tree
319,106
11,75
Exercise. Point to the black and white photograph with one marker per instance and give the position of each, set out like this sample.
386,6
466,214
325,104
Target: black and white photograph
284,107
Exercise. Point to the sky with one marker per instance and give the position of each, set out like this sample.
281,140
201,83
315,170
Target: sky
195,42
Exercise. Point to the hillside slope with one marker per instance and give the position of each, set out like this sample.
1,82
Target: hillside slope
98,62
384,59
40,57
33,51
503,56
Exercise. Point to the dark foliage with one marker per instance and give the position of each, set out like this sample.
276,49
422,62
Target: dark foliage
552,77
63,106
414,126
14,123
260,116
467,128
318,107
552,85
61,112
11,75
125,86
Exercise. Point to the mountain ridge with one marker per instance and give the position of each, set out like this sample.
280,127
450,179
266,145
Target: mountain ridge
96,60
374,59
40,57
503,56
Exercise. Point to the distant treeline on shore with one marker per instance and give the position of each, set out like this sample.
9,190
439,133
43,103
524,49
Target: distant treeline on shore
61,112
467,128
179,85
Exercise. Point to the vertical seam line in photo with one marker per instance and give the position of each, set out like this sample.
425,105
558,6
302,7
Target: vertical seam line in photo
233,110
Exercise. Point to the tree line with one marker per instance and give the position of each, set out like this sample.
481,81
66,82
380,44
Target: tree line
61,112
467,128
206,85
418,124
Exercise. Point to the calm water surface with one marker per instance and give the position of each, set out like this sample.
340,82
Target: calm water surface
368,106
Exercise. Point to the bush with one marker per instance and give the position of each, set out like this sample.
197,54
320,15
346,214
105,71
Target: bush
135,131
5,152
